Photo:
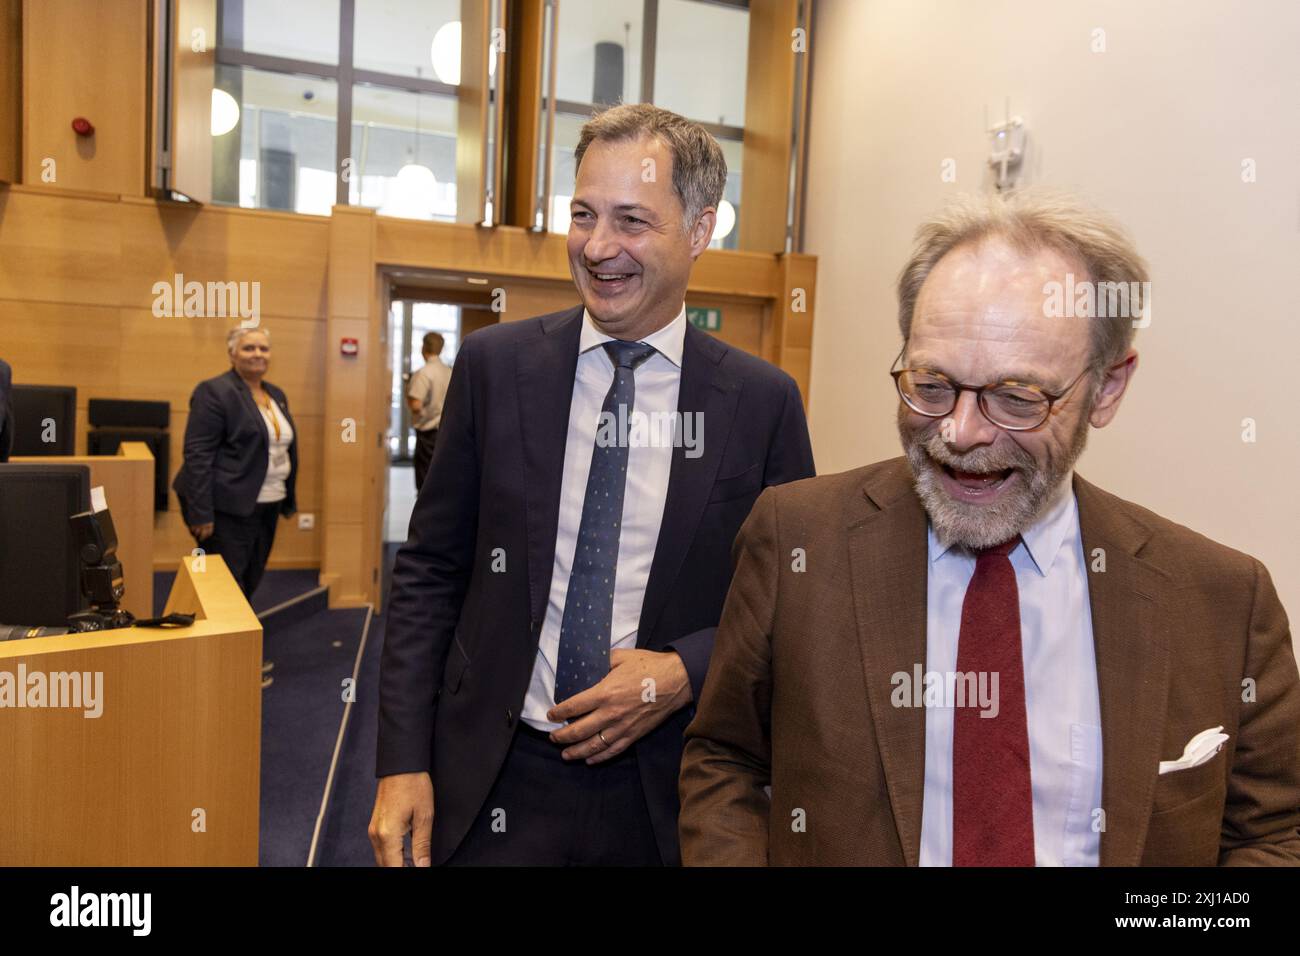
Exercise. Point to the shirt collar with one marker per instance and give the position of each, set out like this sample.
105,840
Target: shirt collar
1042,539
668,341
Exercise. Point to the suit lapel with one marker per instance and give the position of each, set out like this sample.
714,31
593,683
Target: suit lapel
545,368
705,388
887,558
1132,648
249,404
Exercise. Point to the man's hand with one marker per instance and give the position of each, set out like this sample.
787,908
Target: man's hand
202,532
638,694
403,804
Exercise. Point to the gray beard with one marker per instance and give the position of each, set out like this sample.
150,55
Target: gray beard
983,526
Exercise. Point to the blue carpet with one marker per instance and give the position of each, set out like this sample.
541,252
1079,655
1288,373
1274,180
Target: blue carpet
343,837
301,712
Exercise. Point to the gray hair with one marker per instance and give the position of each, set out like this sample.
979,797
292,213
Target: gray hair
235,335
699,168
1029,221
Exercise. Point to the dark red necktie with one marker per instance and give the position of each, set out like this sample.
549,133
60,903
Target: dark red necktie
992,800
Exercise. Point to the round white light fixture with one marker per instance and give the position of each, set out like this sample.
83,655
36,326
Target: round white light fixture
726,220
412,193
225,113
445,54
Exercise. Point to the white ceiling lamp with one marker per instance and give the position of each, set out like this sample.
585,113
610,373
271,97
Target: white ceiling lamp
225,113
414,187
445,54
412,193
726,220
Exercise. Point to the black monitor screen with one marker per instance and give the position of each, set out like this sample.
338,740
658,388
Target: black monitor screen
39,566
45,418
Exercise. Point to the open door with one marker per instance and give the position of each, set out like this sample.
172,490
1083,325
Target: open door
185,71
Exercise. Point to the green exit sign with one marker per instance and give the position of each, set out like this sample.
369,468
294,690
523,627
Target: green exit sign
710,320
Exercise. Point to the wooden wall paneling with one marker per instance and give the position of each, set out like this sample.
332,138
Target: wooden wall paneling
88,60
11,90
795,310
348,557
50,343
381,386
57,247
284,253
769,108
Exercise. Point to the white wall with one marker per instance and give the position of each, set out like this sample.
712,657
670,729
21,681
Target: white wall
1154,130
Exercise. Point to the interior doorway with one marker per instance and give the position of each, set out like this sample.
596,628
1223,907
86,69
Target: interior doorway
420,304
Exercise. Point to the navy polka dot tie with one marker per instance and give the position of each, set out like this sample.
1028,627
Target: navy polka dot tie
589,606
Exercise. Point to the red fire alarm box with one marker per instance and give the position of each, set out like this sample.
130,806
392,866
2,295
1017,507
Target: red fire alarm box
348,347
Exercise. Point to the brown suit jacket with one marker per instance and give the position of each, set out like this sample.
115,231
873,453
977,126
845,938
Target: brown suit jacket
798,691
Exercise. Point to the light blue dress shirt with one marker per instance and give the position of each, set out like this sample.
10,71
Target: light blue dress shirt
658,382
1061,698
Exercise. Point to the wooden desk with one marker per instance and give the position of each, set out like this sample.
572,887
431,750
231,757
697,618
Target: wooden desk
127,479
167,774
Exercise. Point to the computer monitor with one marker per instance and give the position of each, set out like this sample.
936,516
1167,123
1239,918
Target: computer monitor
40,570
45,418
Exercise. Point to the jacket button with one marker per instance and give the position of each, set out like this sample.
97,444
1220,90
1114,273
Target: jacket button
509,717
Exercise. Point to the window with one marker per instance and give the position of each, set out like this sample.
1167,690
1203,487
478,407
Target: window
398,37
692,61
279,154
403,153
701,54
292,29
283,128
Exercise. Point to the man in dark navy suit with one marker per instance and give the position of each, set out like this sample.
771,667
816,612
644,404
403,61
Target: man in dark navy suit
553,610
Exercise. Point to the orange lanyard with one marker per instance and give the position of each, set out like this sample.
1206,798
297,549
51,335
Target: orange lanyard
271,417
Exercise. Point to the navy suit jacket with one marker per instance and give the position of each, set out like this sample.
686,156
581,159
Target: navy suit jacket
461,639
226,451
6,411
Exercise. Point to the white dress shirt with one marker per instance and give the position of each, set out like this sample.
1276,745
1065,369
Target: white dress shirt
279,436
1062,706
658,380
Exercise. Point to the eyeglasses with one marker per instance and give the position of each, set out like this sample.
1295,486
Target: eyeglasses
1014,406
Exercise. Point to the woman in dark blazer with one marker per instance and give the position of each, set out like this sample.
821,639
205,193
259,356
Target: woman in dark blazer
240,461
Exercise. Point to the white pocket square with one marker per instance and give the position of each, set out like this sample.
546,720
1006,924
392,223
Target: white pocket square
1198,750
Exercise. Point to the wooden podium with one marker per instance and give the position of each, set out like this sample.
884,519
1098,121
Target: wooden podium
167,773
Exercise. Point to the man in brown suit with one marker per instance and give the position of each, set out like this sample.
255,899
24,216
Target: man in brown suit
970,655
